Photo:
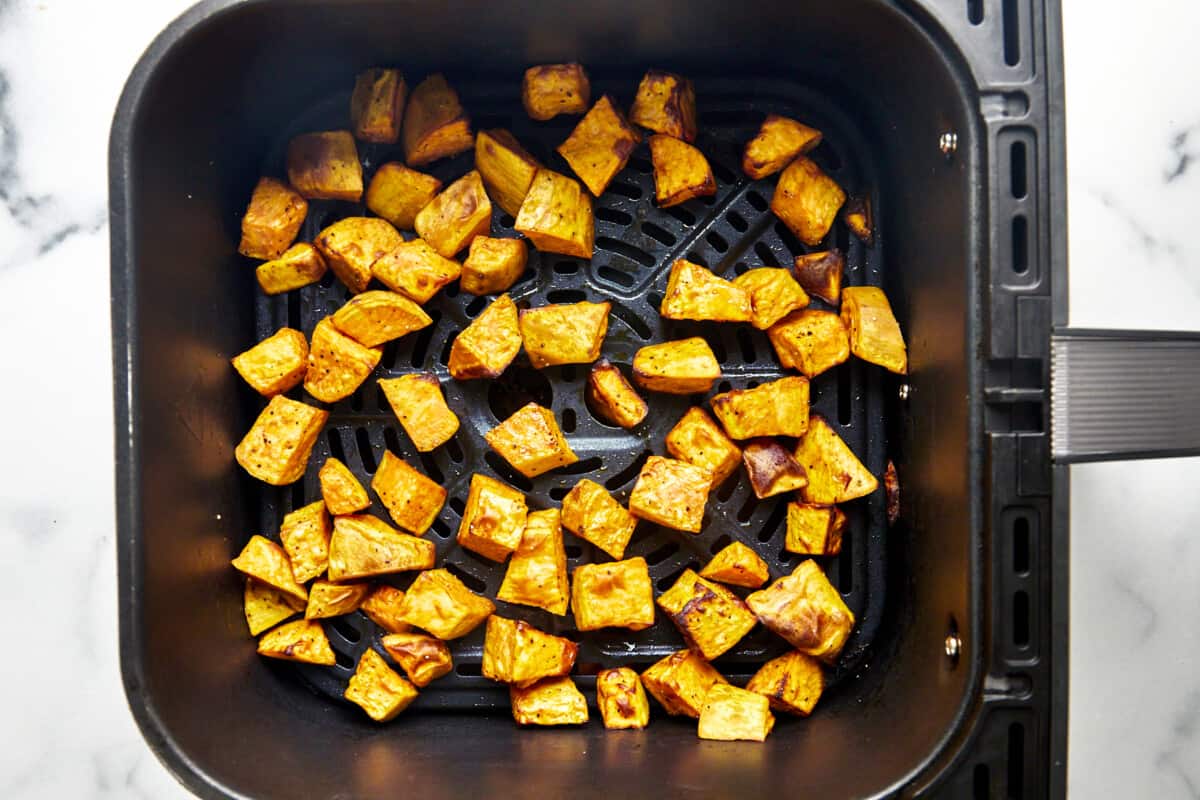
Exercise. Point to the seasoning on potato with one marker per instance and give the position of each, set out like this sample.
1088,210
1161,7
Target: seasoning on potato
694,292
507,168
548,90
489,344
814,530
493,265
820,274
681,172
613,397
553,701
614,594
494,518
303,640
377,105
398,193
305,536
777,408
622,700
328,599
778,142
592,514
774,294
276,448
683,366
419,404
699,440
874,333
363,546
666,103
737,565
681,681
265,606
731,714
337,365
556,215
600,145
771,468
792,683
531,441
671,493
457,215
439,603
435,123
342,492
807,200
351,245
516,653
272,220
325,166
423,658
382,606
564,333
377,317
806,610
301,265
377,689
276,364
412,499
711,618
537,571
810,341
835,475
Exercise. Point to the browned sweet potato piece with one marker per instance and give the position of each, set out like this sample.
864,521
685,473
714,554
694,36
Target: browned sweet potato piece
621,699
537,571
299,266
874,333
613,594
613,397
303,640
557,215
506,167
553,701
377,105
683,366
810,341
594,515
821,274
666,103
265,561
420,405
305,536
778,408
493,265
681,681
398,193
516,653
325,166
341,490
792,683
698,439
276,364
671,493
382,606
277,447
423,658
489,344
774,294
835,475
352,245
337,365
681,172
778,141
435,123
377,689
412,499
456,216
415,270
552,89
531,441
272,220
438,602
363,546
807,200
711,618
737,565
600,145
693,292
564,333
806,610
373,318
772,469
859,219
814,530
730,714
494,519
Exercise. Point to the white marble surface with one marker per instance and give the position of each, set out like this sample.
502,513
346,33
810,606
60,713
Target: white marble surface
1134,137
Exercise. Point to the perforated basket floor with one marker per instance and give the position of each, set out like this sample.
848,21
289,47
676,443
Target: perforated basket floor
636,242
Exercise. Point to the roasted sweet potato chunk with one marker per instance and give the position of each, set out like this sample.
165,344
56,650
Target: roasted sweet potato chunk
835,475
859,219
681,172
621,699
777,143
398,193
382,606
565,333
874,333
377,105
615,594
272,220
265,606
423,658
681,681
435,123
891,489
301,265
328,599
778,408
592,514
711,618
792,683
303,640
810,341
698,439
438,602
666,103
671,493
419,404
456,216
694,292
342,492
489,344
774,294
552,89
683,366
337,365
277,447
557,216
814,530
351,245
820,274
600,145
807,200
537,571
494,518
412,499
772,469
612,397
517,653
266,562
325,166
806,610
531,441
730,714
377,689
376,317
415,270
276,364
493,265
305,535
737,565
506,167
554,701
363,546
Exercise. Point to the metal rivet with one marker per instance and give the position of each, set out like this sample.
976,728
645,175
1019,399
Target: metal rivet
948,143
905,390
953,646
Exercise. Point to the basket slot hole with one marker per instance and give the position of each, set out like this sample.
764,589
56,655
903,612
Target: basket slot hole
658,234
568,420
516,388
1018,169
297,495
381,401
458,506
764,253
724,386
722,172
431,468
474,584
441,529
845,394
625,249
507,221
719,349
727,489
293,310
455,451
573,551
528,275
1021,546
1010,21
975,11
566,296
580,467
626,190
344,660
696,257
661,554
345,630
1020,622
1016,761
638,164
681,214
845,562
667,581
558,493
444,356
654,299
738,222
468,670
390,351
1020,245
616,276
756,201
717,241
424,338
327,280
614,216
451,291
334,436
366,452
505,471
741,268
391,439
789,239
747,510
476,306
981,782
636,324
629,473
566,267
746,344
721,543
772,524
356,401
827,156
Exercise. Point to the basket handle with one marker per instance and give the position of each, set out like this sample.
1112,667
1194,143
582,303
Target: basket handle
1117,395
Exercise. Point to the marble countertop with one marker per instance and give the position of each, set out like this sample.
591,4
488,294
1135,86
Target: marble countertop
1133,122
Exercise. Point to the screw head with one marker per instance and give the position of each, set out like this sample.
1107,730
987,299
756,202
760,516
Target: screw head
953,646
904,391
948,143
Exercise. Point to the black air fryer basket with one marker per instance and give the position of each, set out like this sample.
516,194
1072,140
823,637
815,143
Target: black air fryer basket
946,113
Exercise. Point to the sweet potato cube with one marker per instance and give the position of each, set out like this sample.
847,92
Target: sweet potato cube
778,141
554,701
772,469
806,610
778,408
531,441
814,530
265,606
711,618
621,699
774,294
342,492
276,364
494,518
671,493
457,215
835,475
276,448
377,689
363,546
613,397
552,89
337,365
792,683
303,640
537,571
874,333
351,245
398,193
730,714
557,216
328,599
600,145
820,274
325,166
438,602
592,514
305,535
493,265
423,658
435,123
807,200
698,439
419,404
683,366
382,606
666,103
859,219
810,341
266,562
377,105
615,594
506,167
694,292
412,499
415,270
737,565
565,333
272,220
489,344
376,317
681,681
681,172
517,653
301,265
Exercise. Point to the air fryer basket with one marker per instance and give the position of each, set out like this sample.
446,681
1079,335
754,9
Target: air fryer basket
954,679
